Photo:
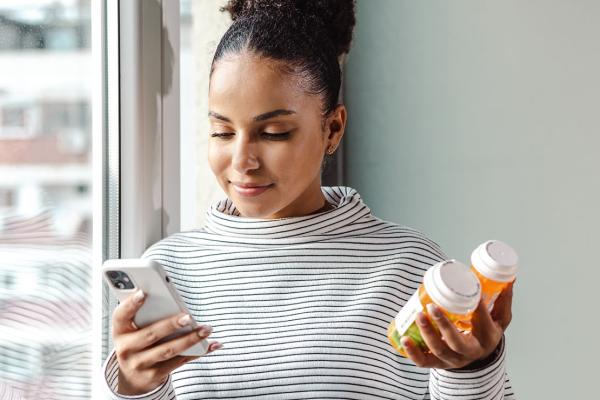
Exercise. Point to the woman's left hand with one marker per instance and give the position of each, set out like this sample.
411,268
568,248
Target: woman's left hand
451,348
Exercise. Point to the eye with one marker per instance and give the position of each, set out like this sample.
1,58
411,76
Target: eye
223,135
277,136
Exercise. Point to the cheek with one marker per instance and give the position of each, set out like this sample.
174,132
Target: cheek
299,162
217,159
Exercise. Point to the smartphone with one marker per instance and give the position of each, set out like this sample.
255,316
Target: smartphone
125,276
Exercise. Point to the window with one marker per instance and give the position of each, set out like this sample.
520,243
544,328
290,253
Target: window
45,199
17,120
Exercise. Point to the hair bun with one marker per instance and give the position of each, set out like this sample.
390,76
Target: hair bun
336,17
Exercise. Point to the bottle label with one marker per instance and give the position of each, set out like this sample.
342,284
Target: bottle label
408,314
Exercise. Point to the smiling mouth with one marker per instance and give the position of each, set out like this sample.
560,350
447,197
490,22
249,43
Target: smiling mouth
249,185
250,191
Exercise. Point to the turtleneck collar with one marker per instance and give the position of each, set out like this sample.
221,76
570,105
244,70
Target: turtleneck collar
224,219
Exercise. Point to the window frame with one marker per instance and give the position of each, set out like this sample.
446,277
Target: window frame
136,145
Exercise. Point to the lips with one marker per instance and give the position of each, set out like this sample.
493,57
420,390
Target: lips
250,185
250,189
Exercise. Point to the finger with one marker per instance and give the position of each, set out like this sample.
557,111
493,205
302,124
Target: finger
166,367
485,329
502,311
122,320
453,338
156,331
420,357
172,348
434,341
214,346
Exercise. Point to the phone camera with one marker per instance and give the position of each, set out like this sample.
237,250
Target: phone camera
113,274
120,280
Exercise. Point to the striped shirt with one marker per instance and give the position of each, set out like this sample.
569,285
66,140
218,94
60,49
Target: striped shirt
302,306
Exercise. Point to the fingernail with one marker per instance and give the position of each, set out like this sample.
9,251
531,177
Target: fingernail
405,342
421,318
205,330
138,296
433,310
185,320
217,346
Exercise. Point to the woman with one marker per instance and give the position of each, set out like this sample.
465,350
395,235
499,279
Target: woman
298,281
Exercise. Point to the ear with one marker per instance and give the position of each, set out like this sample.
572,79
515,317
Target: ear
335,125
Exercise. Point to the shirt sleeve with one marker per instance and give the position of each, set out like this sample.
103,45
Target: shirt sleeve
111,381
489,382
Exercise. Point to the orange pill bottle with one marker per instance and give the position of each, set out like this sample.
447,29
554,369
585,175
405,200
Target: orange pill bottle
495,263
450,285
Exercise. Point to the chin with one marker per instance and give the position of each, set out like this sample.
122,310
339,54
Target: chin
255,206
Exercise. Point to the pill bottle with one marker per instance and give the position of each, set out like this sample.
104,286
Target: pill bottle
495,264
450,285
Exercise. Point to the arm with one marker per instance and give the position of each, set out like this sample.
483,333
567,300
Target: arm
111,382
466,366
454,375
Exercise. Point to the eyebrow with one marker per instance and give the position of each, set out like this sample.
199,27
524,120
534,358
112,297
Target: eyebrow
261,117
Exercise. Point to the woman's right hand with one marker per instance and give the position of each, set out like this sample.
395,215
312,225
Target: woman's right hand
145,364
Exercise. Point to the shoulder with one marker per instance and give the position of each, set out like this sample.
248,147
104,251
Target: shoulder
182,242
410,238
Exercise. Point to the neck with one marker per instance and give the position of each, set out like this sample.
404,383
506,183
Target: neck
326,207
309,202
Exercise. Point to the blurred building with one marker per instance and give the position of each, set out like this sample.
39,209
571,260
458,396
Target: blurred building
45,91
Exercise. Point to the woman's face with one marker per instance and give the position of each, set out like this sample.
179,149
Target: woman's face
266,131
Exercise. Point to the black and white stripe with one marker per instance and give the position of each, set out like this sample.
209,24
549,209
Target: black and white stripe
302,306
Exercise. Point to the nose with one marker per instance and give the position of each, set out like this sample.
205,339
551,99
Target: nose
244,157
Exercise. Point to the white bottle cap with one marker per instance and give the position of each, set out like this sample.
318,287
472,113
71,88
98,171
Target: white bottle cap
452,286
495,260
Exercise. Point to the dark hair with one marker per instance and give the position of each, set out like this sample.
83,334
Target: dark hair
309,36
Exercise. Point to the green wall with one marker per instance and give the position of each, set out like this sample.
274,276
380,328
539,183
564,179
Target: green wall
472,120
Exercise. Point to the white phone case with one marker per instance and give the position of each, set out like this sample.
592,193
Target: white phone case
162,299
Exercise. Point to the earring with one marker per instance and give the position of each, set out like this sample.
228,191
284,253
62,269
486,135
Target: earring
331,150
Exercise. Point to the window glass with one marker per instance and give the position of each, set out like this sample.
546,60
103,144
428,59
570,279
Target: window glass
45,199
